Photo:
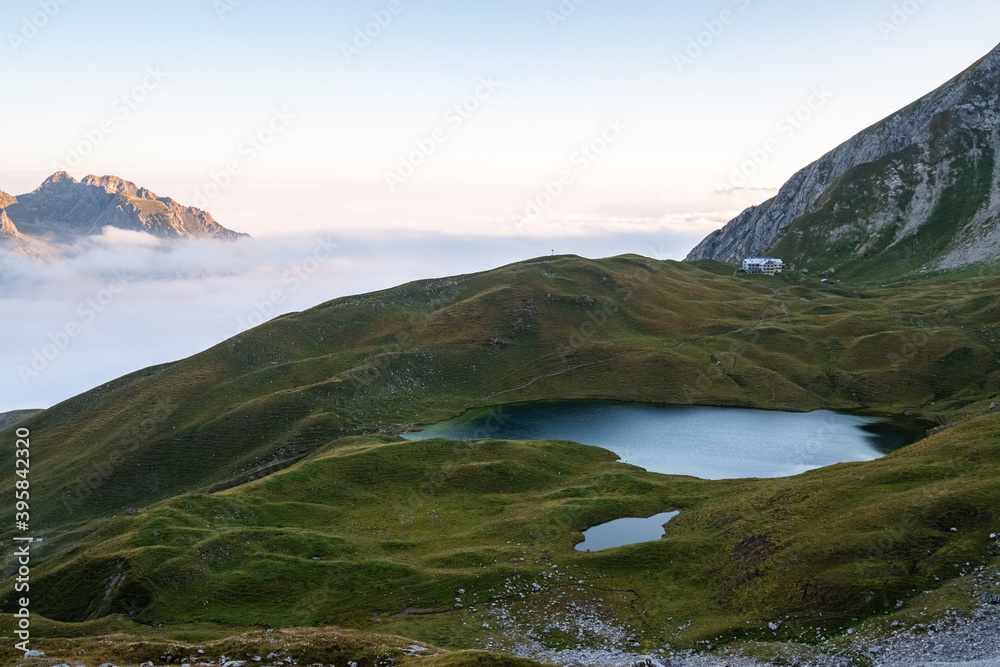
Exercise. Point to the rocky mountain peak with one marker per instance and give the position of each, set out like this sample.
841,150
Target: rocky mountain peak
56,178
117,186
6,199
992,59
918,190
62,210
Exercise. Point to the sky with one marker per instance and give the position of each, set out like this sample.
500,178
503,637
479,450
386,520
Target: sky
426,138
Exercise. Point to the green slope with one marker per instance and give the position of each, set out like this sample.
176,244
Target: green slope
625,329
382,535
202,491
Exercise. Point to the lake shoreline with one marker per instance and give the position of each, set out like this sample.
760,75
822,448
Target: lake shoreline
706,442
916,425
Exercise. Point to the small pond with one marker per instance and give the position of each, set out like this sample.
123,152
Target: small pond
623,532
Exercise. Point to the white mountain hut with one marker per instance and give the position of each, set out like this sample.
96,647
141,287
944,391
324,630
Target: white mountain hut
764,265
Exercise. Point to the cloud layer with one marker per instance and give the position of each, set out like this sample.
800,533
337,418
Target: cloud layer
123,301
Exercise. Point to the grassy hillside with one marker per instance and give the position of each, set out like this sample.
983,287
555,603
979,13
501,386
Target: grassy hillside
470,545
626,329
260,483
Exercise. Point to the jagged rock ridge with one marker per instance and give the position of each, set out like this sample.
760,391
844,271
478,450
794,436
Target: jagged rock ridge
917,191
62,210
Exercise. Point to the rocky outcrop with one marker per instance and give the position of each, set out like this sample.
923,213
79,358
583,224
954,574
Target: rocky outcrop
11,239
918,190
63,209
8,231
117,186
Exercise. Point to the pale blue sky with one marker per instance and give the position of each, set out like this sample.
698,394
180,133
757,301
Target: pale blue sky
687,130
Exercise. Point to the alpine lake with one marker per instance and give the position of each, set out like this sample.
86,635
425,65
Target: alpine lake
704,442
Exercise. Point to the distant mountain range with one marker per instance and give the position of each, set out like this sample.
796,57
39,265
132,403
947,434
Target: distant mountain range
918,191
62,210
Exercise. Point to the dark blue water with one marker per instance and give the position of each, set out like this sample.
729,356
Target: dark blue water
711,443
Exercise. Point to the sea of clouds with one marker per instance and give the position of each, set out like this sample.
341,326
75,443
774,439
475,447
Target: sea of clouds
123,301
